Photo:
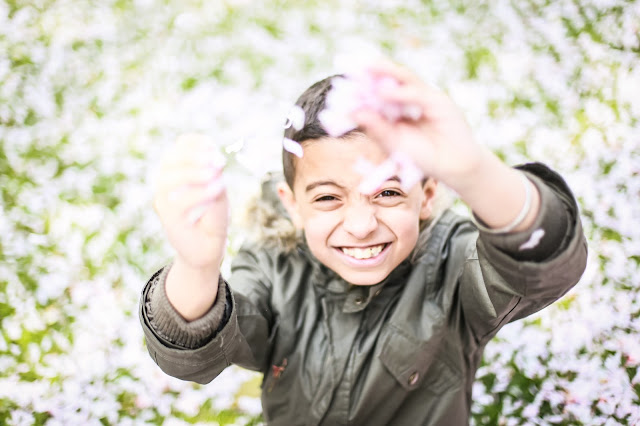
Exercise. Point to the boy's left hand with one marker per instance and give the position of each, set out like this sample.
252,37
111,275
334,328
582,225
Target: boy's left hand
440,141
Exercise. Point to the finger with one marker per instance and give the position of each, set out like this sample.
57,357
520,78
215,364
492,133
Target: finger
419,95
189,201
391,69
198,211
189,195
211,221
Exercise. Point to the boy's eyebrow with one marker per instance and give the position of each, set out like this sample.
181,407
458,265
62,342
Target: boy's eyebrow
314,185
320,183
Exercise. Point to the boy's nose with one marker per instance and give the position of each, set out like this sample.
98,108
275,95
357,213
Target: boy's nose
360,219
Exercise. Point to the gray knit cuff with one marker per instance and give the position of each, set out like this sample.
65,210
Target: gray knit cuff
544,237
171,326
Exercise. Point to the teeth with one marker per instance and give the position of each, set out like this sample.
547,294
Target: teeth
363,253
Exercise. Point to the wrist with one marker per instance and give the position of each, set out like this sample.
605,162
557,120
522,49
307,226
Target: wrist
497,196
191,291
466,178
196,271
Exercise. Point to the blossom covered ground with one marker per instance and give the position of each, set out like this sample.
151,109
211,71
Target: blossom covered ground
91,93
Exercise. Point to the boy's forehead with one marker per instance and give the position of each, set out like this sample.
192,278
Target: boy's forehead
334,159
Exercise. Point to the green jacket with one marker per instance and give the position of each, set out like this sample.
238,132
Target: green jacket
402,352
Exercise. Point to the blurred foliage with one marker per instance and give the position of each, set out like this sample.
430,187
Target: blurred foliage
91,93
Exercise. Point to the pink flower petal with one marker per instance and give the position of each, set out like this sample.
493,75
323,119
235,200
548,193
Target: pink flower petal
380,175
361,89
335,122
363,166
409,173
292,146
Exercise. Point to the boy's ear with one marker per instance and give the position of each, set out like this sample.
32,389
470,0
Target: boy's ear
288,200
429,188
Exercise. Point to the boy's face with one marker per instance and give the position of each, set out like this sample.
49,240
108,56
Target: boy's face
360,237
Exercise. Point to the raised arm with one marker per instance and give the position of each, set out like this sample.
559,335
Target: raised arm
192,205
531,248
188,313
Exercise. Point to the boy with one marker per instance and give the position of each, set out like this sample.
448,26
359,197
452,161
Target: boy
373,317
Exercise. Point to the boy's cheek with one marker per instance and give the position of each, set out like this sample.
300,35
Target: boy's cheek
318,227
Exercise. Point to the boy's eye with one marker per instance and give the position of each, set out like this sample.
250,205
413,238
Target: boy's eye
326,198
389,193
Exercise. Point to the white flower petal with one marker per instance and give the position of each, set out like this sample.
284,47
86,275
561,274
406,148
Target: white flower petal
297,116
292,146
335,123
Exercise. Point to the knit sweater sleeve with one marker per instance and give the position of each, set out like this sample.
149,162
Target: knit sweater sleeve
171,327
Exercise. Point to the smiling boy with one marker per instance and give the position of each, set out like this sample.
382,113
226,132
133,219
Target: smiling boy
373,317
360,237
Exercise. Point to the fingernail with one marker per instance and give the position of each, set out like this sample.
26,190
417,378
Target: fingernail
195,214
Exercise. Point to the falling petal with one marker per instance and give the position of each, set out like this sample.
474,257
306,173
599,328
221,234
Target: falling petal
409,176
385,83
533,241
360,89
292,146
219,160
336,123
377,177
363,166
408,173
234,147
297,116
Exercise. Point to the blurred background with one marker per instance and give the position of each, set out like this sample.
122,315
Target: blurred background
93,92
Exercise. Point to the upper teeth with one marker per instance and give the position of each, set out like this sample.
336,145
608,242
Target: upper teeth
363,253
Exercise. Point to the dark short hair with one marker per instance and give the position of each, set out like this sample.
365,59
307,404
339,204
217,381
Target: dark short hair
312,101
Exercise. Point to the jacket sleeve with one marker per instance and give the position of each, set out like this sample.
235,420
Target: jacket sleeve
510,276
234,331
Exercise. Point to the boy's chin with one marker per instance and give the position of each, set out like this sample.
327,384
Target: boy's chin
363,279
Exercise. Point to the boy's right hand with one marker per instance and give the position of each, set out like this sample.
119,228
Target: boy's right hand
191,201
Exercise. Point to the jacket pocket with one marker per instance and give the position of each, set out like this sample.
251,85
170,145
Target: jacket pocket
415,361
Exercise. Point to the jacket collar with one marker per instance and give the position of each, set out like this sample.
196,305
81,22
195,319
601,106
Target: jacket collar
356,298
430,244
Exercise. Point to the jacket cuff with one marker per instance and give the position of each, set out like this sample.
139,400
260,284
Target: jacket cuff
169,325
541,240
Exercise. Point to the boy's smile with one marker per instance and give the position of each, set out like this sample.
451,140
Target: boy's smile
360,237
